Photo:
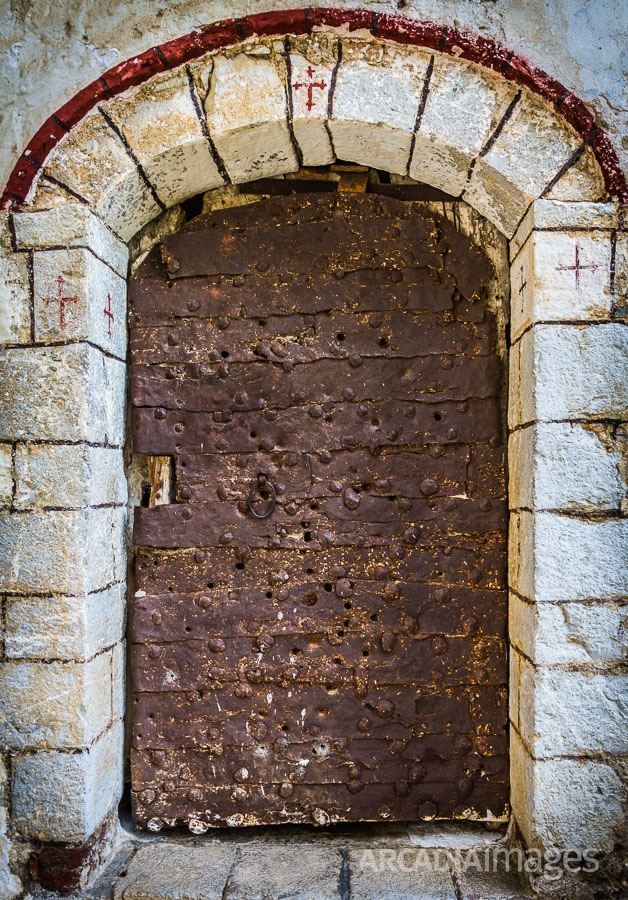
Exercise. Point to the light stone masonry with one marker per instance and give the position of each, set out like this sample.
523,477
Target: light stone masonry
15,292
162,126
68,476
6,475
566,465
375,103
312,72
54,705
65,796
66,628
247,116
77,297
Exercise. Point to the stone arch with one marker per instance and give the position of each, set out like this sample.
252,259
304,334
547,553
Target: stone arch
232,103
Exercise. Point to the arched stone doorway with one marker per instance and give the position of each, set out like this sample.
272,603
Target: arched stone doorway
530,159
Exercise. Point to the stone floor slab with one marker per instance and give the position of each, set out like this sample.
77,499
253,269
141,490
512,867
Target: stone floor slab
297,872
400,874
170,871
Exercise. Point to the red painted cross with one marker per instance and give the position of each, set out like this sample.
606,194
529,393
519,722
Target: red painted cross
61,300
109,314
321,85
577,268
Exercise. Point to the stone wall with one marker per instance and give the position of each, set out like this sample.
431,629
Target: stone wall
198,121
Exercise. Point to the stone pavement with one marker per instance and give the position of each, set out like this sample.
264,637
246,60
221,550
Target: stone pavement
423,862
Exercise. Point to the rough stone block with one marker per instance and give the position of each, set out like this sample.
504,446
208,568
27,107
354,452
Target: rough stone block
167,871
621,274
66,627
78,297
160,123
463,106
375,103
561,276
94,163
546,794
69,393
569,372
564,465
68,475
569,633
297,871
411,876
545,214
530,150
582,181
557,558
70,225
15,291
118,678
6,475
514,685
54,705
311,78
65,796
570,713
69,551
247,115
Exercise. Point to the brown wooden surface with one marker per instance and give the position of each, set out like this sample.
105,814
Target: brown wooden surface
346,654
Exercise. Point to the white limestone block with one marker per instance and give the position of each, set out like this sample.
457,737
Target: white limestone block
569,372
247,115
57,627
68,475
568,633
78,297
565,465
582,181
65,796
55,704
309,90
561,276
555,215
375,103
530,150
15,293
161,124
464,103
6,475
93,162
70,225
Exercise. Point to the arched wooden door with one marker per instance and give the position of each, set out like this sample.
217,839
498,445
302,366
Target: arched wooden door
317,633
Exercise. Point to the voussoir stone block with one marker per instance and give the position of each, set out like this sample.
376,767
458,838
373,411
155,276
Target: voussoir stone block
53,705
62,551
162,125
567,633
528,153
463,106
311,68
68,475
67,393
582,181
247,115
94,163
557,558
565,465
70,225
569,372
61,627
375,104
561,276
545,794
65,796
15,292
78,297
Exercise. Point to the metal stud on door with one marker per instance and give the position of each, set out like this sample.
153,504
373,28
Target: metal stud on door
318,628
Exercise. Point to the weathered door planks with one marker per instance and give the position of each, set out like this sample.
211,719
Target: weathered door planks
344,658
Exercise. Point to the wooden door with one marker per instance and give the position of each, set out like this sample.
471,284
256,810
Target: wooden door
317,633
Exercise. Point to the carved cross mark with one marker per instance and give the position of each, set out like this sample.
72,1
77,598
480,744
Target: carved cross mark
577,267
109,314
321,85
61,300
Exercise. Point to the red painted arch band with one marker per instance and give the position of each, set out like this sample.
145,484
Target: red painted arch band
441,38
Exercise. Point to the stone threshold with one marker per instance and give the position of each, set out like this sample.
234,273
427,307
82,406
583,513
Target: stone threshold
367,862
